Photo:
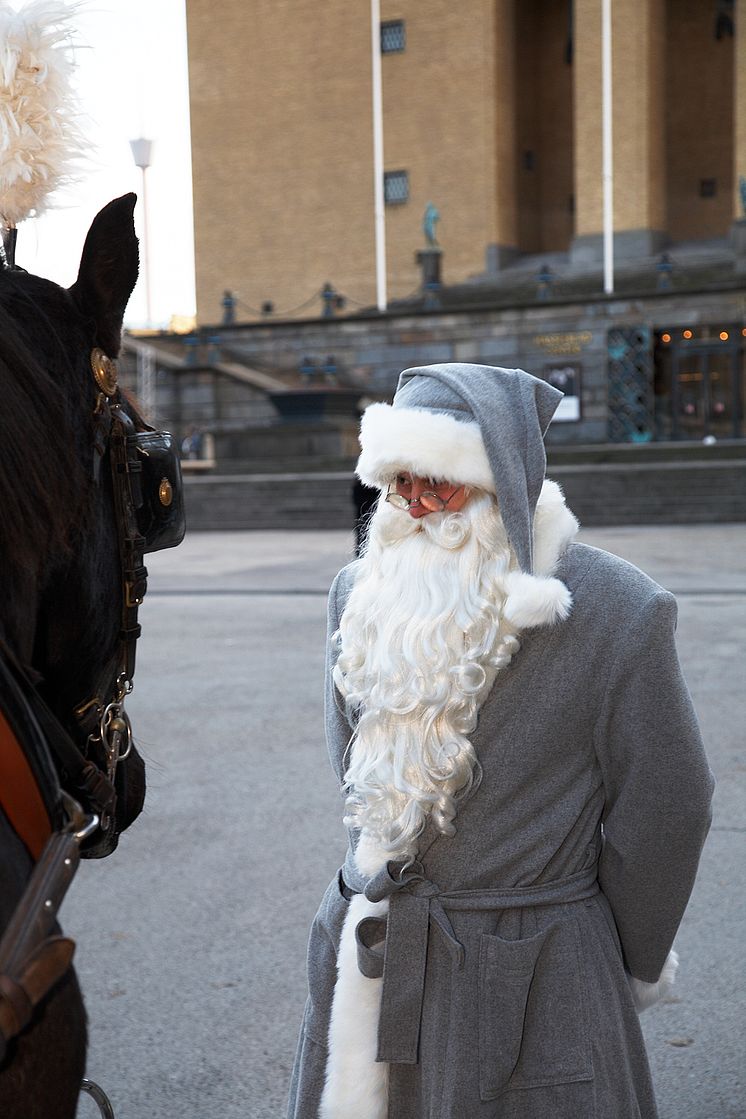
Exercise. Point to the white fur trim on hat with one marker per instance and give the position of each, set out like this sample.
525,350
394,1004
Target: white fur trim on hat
429,444
533,600
555,528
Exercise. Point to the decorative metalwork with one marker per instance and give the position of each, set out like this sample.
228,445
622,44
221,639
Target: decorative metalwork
631,404
393,36
105,371
165,492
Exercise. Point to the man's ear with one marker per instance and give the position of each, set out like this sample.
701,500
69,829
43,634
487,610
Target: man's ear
108,271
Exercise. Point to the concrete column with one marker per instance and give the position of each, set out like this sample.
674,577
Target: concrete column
505,248
738,229
638,28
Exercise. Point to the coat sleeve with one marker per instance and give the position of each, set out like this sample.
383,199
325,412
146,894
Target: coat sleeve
337,728
658,789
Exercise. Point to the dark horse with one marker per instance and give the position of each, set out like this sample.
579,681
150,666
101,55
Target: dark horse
60,580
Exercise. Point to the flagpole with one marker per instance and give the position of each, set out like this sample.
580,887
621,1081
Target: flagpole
380,218
608,155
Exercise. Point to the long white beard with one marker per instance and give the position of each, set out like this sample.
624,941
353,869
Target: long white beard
433,616
421,640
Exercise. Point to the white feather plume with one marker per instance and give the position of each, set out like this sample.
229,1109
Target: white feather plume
40,136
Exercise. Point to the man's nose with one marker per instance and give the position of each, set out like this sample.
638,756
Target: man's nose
419,487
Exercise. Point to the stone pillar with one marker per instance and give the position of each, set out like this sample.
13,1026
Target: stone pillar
738,229
505,248
638,41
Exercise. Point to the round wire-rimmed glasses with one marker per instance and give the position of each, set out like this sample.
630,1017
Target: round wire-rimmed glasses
427,500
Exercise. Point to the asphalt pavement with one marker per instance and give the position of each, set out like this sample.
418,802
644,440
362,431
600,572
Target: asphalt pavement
191,938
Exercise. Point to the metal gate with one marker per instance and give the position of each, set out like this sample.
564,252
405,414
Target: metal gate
630,383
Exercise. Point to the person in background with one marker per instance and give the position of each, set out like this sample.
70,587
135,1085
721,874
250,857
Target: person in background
365,499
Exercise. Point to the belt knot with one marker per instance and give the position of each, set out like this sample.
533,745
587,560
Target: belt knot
395,946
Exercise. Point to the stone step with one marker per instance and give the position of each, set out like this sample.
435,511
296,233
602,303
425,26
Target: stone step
599,494
289,450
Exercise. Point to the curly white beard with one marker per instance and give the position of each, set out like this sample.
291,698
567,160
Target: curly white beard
421,640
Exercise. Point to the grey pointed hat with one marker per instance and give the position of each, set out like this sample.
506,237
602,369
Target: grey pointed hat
479,425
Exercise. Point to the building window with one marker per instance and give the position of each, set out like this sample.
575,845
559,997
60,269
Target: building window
395,187
724,26
393,36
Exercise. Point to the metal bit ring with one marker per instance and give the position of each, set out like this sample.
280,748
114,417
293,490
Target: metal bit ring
99,1096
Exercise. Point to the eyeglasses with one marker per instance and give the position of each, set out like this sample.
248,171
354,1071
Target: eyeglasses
427,500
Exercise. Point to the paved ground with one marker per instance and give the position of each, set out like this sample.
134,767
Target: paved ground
191,939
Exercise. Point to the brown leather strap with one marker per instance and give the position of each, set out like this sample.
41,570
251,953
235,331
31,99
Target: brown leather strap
20,798
15,1007
20,995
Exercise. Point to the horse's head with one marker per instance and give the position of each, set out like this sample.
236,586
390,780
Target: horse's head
62,595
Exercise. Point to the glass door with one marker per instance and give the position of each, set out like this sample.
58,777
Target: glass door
705,397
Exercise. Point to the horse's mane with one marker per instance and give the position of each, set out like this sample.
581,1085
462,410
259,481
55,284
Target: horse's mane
42,485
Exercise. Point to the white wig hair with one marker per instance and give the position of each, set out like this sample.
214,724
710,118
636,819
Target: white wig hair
420,642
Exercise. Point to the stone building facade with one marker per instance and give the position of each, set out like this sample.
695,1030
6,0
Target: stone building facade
492,112
645,367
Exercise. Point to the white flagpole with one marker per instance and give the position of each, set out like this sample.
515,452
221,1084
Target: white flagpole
608,156
380,218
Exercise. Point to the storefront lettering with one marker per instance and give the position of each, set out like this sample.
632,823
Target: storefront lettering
571,343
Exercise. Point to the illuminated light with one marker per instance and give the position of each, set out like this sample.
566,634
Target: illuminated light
667,337
687,333
744,332
723,335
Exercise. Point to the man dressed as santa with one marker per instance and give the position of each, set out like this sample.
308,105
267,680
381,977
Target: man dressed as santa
526,792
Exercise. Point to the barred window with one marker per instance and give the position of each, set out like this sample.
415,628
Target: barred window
395,187
393,36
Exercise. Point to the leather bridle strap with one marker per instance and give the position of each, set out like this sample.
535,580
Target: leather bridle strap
126,472
114,430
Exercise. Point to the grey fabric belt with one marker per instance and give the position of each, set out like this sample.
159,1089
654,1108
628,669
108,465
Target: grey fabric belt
395,946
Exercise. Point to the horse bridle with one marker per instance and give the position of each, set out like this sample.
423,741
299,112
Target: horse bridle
145,475
80,805
102,718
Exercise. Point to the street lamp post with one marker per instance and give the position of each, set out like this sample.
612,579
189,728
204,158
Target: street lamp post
142,151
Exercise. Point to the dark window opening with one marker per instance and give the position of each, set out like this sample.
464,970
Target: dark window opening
393,36
395,187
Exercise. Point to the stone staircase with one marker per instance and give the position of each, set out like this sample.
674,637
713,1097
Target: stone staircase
608,484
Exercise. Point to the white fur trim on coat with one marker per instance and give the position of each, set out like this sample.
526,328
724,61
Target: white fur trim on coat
648,994
425,443
356,1084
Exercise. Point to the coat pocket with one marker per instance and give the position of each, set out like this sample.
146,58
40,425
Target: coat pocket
533,1015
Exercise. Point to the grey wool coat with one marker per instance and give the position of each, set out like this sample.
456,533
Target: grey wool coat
508,949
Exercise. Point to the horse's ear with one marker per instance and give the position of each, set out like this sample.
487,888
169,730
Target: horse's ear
108,271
